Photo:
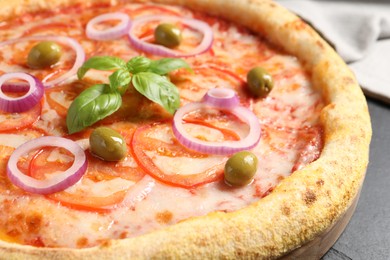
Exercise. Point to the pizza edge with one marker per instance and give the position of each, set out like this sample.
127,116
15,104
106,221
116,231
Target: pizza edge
302,206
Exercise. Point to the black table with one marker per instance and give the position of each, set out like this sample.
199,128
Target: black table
367,235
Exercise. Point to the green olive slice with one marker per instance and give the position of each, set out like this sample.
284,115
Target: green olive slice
107,144
260,82
240,168
167,35
43,55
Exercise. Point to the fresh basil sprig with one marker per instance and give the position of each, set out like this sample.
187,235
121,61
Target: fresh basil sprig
145,75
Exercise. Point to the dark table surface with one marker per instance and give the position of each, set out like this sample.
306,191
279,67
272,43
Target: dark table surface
367,235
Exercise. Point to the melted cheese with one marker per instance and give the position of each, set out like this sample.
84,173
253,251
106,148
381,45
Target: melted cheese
183,165
101,188
287,115
14,140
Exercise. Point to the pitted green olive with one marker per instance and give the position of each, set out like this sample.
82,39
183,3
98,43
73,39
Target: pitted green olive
167,35
260,82
240,168
107,144
43,55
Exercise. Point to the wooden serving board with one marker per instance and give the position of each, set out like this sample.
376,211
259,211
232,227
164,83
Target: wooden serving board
316,248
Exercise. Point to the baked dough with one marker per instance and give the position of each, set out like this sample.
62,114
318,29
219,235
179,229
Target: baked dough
303,205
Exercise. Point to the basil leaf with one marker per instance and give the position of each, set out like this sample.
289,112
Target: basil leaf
119,80
92,105
158,89
81,72
101,63
163,66
138,64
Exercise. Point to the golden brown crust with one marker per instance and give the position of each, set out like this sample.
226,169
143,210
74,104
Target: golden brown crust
303,205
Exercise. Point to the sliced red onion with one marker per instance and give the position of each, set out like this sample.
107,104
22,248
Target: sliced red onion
80,54
222,98
222,148
160,50
27,101
56,183
112,33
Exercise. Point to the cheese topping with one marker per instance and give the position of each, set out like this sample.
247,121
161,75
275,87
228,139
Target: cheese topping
145,192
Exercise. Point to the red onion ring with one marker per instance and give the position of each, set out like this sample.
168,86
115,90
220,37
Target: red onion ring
80,54
16,87
160,50
221,148
27,101
111,33
57,183
222,98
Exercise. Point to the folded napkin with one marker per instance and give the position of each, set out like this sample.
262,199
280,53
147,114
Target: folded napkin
360,33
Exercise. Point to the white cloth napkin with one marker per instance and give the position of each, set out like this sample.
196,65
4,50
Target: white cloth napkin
360,32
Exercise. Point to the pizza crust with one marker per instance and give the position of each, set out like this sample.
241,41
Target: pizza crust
302,206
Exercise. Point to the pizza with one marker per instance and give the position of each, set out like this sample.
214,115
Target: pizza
172,129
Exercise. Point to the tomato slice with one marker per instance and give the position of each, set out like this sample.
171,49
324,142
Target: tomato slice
48,160
59,98
103,186
228,134
228,124
88,203
193,86
19,121
158,152
7,146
